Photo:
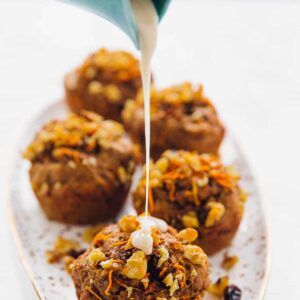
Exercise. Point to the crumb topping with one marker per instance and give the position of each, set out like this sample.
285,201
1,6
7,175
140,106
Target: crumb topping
174,100
121,65
201,170
76,137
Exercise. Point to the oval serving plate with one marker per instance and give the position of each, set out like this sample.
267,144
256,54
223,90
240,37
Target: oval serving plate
34,234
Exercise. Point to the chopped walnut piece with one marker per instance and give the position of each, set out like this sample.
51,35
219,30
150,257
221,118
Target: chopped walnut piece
188,234
218,288
90,232
129,224
174,287
136,266
95,87
61,248
172,283
215,213
68,263
168,280
190,220
113,93
194,272
129,291
106,264
162,164
164,255
229,262
194,254
129,244
95,256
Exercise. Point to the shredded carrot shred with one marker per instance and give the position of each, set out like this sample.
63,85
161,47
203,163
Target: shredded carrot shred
109,286
183,282
173,175
182,269
100,236
162,272
172,191
93,293
178,266
118,243
74,154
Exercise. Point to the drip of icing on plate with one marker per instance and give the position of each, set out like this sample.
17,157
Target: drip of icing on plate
146,20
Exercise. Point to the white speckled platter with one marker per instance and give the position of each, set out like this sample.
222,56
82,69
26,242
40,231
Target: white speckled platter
34,234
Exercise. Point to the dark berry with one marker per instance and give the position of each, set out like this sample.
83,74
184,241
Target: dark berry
232,292
75,253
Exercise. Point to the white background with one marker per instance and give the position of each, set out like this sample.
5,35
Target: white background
247,55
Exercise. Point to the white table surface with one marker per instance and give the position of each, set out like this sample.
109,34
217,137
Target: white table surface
247,55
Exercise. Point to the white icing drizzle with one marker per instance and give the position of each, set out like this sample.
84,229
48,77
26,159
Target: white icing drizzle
142,239
146,20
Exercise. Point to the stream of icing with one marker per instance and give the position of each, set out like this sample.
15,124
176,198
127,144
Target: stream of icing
142,238
146,20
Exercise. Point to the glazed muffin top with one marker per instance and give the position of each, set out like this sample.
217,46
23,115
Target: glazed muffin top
174,268
77,137
177,100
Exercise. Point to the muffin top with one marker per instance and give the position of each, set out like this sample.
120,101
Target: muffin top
78,137
119,65
204,170
189,179
106,67
177,101
174,268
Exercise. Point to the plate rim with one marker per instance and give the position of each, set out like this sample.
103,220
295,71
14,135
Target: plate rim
12,222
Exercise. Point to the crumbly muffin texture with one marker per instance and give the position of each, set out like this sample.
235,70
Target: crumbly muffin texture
104,81
113,269
182,117
192,190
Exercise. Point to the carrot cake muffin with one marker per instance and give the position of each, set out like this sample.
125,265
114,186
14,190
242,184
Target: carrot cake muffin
181,118
192,190
112,268
81,168
103,83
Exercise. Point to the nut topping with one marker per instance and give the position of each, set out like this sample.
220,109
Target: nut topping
194,254
136,266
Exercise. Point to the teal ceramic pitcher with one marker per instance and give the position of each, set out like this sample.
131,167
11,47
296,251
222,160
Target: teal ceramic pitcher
119,12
